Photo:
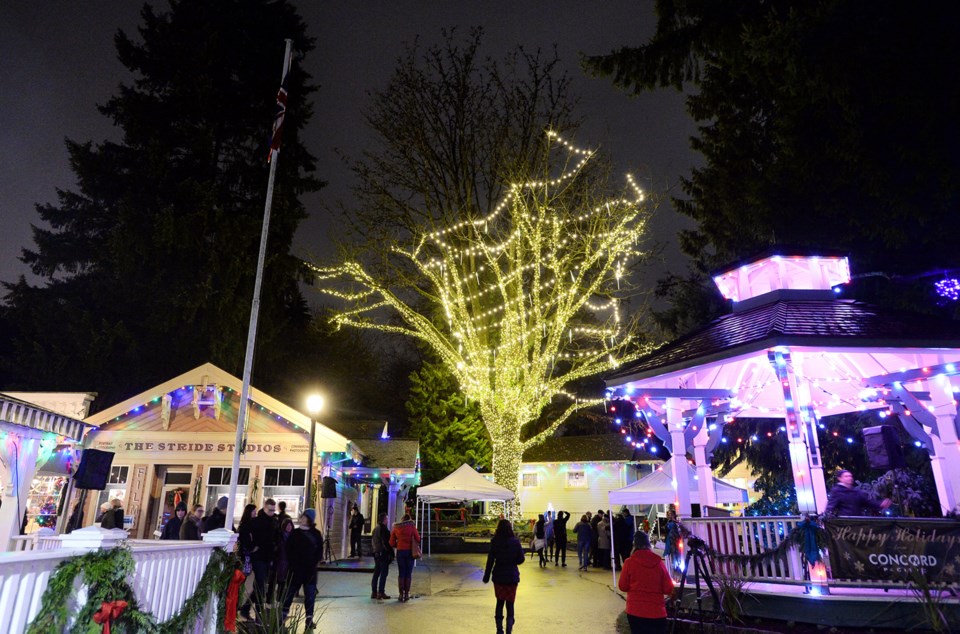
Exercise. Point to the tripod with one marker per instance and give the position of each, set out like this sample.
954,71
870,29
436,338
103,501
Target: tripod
695,553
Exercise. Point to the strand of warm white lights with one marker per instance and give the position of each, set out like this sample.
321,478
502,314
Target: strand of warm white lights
513,189
512,287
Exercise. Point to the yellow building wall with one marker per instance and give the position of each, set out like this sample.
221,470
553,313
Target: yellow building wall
553,491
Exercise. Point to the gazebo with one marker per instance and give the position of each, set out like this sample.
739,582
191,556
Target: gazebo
792,350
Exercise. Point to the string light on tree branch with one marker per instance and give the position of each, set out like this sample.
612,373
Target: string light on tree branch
520,301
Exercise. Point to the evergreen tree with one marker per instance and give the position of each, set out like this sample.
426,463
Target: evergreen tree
450,429
822,125
149,262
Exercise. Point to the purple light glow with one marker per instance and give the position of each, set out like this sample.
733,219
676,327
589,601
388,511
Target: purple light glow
949,288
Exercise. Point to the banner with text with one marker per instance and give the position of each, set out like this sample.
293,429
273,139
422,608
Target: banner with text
895,549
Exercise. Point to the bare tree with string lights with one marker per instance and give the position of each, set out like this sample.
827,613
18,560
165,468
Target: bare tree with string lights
518,303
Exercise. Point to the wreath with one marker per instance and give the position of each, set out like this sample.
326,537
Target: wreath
110,599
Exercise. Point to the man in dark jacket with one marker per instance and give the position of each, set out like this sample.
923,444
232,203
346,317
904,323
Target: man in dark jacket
560,536
218,517
304,550
264,537
595,538
623,529
190,529
849,501
171,530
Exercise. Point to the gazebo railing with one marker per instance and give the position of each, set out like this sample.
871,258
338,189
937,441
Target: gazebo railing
750,536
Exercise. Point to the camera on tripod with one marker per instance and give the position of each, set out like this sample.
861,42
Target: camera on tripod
696,544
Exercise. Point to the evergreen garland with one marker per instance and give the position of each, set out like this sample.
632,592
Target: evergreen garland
105,573
808,536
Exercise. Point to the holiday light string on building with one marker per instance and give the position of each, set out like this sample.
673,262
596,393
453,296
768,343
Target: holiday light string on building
512,288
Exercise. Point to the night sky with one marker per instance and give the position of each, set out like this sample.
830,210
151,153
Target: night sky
58,63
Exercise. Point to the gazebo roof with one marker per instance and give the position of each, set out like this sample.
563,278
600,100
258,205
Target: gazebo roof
807,323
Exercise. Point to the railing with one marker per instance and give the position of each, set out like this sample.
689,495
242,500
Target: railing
34,541
165,575
750,536
23,579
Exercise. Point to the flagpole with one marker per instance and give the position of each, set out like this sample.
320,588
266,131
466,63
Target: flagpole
252,330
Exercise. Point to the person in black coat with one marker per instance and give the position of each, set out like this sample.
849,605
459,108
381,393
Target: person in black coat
261,536
218,516
304,551
595,538
171,530
846,500
190,529
117,504
560,536
623,530
503,561
356,528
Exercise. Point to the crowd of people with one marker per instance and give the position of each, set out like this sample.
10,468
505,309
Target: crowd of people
644,575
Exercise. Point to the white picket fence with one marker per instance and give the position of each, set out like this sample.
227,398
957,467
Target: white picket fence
165,575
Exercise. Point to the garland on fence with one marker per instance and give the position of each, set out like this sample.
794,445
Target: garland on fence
808,536
105,573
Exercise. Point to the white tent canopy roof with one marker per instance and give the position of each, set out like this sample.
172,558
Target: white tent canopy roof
462,485
660,488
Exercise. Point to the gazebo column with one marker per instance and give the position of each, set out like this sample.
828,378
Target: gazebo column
676,427
803,446
392,489
945,457
375,505
19,450
708,494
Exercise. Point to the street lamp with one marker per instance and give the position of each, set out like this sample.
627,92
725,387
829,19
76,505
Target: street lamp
314,406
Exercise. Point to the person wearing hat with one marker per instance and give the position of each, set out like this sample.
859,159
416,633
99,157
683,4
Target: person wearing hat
171,529
304,551
647,583
217,517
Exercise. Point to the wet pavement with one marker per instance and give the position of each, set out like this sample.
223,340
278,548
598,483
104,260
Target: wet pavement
448,596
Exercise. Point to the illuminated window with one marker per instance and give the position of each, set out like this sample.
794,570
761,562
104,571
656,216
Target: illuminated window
576,480
531,479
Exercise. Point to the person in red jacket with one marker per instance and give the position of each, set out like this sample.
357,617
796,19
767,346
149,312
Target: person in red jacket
647,583
402,537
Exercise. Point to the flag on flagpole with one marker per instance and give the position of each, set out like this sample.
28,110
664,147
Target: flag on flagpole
278,117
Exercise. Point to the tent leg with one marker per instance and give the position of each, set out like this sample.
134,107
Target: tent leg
613,551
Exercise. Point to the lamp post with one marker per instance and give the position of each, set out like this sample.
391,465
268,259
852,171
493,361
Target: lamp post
314,406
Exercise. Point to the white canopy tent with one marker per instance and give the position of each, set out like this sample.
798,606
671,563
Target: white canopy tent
660,487
463,485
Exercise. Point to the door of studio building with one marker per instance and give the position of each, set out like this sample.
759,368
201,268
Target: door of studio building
172,486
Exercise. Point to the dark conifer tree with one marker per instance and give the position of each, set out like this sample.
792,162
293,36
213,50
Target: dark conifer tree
149,261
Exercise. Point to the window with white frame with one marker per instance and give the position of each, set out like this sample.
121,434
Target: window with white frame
576,479
531,479
116,486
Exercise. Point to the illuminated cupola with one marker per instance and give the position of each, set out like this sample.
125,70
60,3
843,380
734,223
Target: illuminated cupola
778,277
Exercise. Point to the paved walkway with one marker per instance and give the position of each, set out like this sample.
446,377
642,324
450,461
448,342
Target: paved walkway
448,596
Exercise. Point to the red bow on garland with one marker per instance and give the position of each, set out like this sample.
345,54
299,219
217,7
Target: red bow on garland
109,610
233,597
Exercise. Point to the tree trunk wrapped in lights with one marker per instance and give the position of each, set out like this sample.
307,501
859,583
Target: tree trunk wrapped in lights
518,303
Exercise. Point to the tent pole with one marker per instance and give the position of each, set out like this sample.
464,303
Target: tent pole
613,547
